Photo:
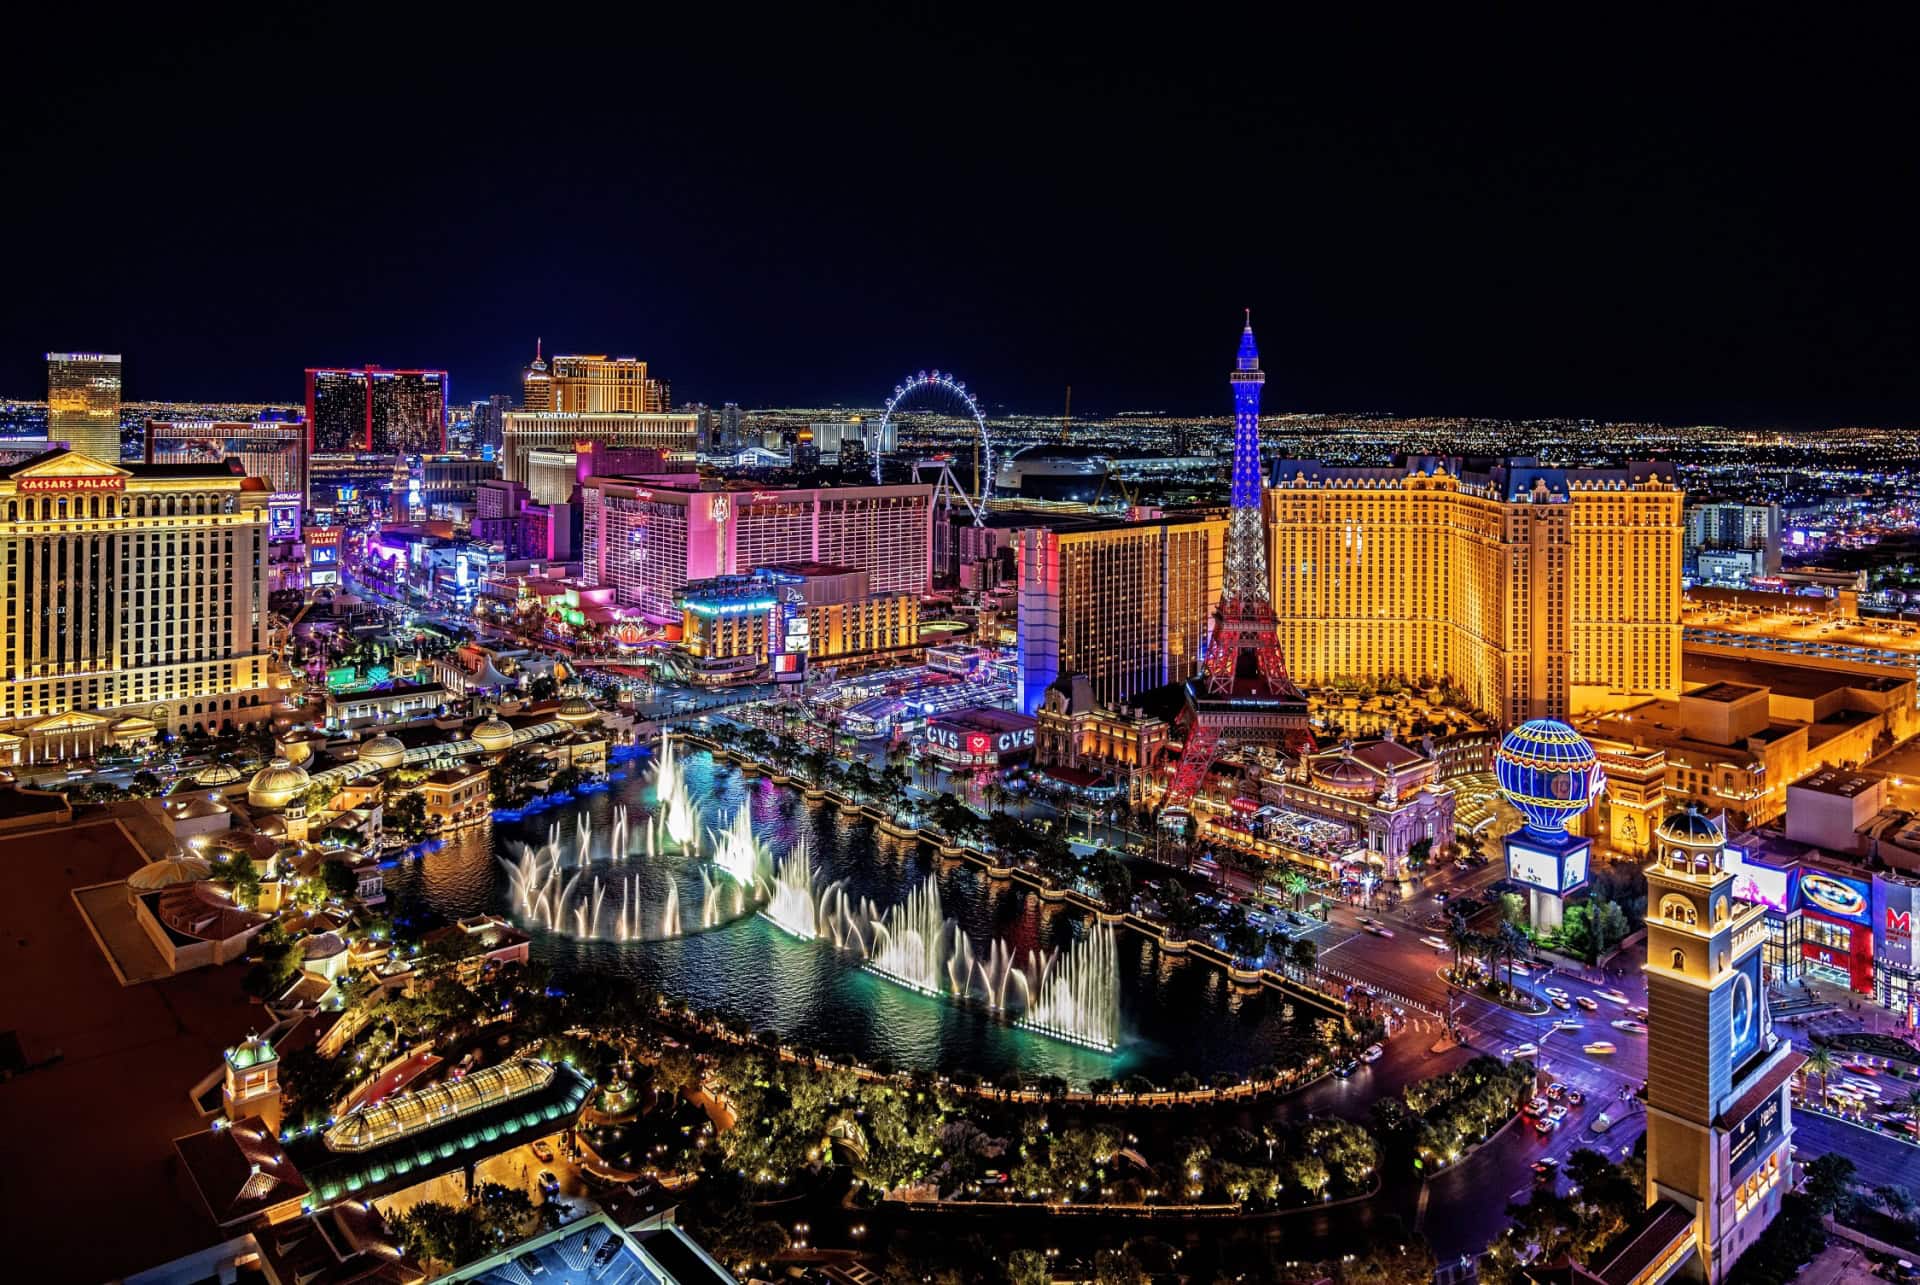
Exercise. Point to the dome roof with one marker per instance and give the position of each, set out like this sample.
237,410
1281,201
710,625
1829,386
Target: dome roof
164,874
495,733
322,946
1345,775
216,775
1549,772
575,709
383,752
1691,829
251,1051
276,785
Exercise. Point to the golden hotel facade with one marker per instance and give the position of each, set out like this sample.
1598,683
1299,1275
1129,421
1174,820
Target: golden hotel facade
1539,592
136,603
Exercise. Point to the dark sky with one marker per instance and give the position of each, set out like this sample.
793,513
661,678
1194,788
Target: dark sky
1630,221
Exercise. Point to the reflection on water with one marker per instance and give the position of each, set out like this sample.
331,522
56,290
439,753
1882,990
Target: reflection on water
1176,1014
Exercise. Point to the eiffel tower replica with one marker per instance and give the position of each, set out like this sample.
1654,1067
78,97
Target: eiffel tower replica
1242,696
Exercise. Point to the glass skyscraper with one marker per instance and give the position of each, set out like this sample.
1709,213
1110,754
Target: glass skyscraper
83,402
385,412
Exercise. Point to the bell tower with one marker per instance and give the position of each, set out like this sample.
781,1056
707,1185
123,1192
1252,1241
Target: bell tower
251,1085
1718,1118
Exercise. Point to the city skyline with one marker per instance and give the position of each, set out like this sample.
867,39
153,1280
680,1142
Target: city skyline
1474,233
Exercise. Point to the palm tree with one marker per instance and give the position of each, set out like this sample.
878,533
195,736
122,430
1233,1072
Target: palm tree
1820,1063
1513,943
1460,939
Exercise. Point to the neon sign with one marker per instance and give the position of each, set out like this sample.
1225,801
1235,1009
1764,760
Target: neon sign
114,483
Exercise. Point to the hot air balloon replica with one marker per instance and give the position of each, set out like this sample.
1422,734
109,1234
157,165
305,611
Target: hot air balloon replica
1550,774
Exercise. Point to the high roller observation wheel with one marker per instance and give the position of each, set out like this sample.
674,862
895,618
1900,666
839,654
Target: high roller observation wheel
943,383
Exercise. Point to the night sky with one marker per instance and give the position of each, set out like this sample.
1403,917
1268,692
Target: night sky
801,209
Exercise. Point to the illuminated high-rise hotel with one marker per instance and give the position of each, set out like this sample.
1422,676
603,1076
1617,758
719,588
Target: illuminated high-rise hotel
1124,603
647,537
591,383
376,411
1537,591
135,603
83,402
524,432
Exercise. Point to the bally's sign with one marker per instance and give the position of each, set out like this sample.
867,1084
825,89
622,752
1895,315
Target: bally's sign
114,482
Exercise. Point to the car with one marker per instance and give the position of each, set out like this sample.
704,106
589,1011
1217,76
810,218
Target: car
1861,1068
1558,1112
530,1264
1544,1126
1599,1047
1562,1002
607,1252
1575,1096
1629,1024
1555,1089
1442,897
1587,1003
1568,1024
1613,996
1346,1068
1519,969
547,1181
1372,1054
1637,1010
1537,1105
1554,991
542,1152
1523,1050
1380,930
1434,942
1546,1167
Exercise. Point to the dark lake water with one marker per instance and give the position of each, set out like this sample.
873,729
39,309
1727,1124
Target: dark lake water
1177,1014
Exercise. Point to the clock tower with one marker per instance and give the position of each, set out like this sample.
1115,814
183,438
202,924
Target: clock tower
1718,1116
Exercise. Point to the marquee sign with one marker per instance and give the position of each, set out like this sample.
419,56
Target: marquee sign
111,482
982,742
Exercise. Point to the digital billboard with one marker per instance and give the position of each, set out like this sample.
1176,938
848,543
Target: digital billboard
1752,1138
1747,1011
1762,885
1836,897
1555,872
1893,914
283,518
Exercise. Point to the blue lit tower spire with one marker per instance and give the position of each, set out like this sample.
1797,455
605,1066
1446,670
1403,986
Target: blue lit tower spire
1247,379
1244,696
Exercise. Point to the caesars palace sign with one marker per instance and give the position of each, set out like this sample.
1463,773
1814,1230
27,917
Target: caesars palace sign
109,482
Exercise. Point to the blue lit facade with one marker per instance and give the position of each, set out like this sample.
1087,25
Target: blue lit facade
1549,773
1248,379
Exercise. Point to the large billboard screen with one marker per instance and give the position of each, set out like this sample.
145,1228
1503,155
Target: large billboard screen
1556,872
1753,1137
1836,897
1893,914
283,518
1760,884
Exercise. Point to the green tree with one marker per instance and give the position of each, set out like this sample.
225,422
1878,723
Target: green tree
339,878
406,815
1829,1183
1028,1267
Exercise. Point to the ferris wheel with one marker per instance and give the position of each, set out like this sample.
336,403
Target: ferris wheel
942,387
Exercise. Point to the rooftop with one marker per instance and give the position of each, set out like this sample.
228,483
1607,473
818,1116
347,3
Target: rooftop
1840,783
